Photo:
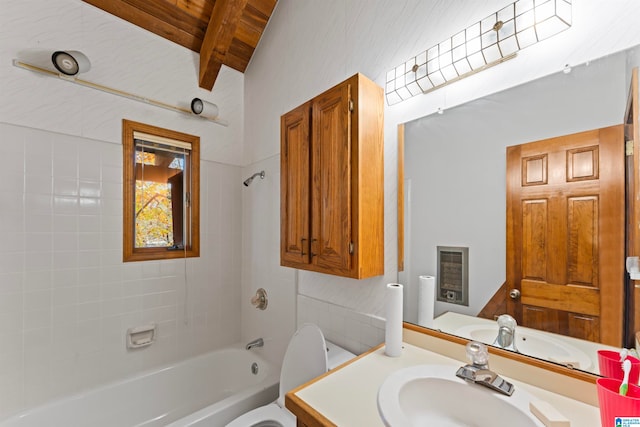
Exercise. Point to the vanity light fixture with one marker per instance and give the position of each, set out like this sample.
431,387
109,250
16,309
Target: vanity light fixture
486,43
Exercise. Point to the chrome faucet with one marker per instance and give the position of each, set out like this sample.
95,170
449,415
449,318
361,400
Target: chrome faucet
506,333
478,371
255,343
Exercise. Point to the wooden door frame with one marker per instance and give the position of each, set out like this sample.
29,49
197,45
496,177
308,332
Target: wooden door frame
632,182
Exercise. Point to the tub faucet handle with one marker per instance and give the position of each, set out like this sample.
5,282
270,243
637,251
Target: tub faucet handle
260,299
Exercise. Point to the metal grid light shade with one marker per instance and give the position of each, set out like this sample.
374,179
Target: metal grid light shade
488,42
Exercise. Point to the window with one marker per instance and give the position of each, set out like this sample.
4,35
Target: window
161,193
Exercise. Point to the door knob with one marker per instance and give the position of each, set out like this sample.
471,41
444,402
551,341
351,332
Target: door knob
514,294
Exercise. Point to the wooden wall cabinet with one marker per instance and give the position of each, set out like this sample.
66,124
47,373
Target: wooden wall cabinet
332,182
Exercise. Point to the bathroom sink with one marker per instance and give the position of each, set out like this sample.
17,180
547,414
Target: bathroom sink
536,344
432,395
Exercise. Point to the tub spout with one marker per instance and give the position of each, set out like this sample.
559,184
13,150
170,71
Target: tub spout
255,343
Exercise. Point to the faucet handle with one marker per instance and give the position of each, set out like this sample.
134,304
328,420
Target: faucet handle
504,320
259,300
478,354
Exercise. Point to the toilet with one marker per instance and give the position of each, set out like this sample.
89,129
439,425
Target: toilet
308,355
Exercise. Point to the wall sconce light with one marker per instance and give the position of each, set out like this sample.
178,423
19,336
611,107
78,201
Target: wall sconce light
489,42
70,62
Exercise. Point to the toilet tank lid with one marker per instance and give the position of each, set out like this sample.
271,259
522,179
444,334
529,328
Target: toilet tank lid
337,355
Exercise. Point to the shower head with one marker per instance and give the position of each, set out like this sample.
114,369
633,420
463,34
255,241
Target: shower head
248,180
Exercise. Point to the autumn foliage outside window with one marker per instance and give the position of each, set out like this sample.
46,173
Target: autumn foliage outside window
161,193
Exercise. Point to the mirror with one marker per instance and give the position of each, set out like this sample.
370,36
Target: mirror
455,189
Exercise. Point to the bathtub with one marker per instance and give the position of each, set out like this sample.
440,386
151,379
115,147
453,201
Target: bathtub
221,382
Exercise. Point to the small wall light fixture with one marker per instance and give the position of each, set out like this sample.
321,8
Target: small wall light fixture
70,62
489,42
204,109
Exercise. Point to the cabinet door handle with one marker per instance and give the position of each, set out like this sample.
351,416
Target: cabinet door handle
302,246
312,254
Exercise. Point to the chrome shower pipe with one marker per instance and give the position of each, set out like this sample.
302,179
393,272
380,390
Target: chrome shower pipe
248,180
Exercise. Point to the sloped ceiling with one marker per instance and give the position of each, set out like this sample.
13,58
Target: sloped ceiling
223,32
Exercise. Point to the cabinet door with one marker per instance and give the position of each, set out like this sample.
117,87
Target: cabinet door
331,180
295,198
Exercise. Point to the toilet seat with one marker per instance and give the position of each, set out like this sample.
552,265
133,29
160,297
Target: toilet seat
305,359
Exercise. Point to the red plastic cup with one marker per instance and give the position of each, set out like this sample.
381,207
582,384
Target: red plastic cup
611,367
613,406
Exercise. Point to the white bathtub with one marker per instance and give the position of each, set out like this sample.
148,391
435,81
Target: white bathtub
222,382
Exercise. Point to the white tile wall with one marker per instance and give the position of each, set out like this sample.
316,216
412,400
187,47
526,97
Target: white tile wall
355,331
261,263
66,298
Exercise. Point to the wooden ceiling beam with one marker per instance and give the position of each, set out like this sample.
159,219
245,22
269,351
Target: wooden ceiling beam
200,9
217,40
193,21
224,32
159,18
238,55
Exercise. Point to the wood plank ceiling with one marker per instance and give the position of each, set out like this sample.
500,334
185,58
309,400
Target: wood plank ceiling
224,32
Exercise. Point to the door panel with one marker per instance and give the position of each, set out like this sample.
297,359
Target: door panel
552,320
295,200
331,163
534,235
565,234
582,247
583,326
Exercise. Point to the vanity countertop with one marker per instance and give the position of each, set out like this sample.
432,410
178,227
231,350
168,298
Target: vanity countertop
347,396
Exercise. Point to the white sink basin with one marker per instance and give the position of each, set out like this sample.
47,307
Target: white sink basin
531,343
432,395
